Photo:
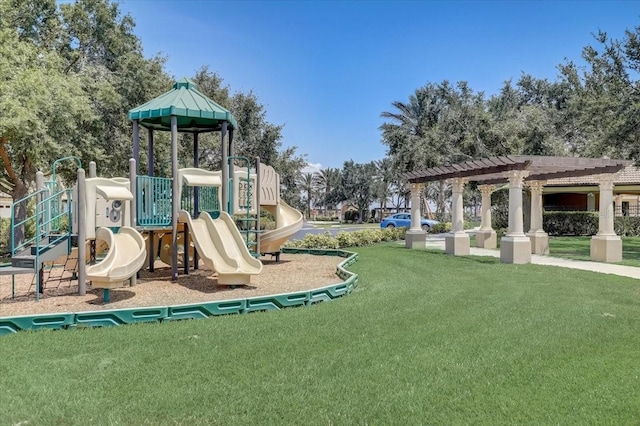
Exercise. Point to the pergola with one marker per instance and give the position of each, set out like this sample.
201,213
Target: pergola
183,109
517,171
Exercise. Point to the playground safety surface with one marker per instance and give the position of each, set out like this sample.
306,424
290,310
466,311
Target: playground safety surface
294,272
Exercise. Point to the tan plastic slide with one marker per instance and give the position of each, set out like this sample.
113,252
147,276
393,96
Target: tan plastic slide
126,256
221,248
288,222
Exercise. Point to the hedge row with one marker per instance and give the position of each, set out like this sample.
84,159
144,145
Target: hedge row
586,223
343,239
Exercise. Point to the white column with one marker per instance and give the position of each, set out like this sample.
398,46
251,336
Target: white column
605,222
486,236
457,208
515,247
416,188
485,220
539,238
415,236
617,205
516,180
457,241
606,246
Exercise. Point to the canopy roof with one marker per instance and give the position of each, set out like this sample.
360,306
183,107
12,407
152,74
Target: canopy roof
195,111
494,170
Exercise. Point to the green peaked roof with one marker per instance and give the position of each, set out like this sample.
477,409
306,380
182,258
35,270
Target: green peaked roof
195,112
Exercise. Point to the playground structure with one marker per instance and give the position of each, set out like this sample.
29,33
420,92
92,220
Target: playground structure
141,216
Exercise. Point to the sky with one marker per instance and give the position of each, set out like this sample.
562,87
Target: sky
326,70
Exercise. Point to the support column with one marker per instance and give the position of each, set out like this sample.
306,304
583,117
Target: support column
486,237
150,170
591,202
457,242
415,236
539,238
617,205
175,199
515,247
224,196
606,246
136,142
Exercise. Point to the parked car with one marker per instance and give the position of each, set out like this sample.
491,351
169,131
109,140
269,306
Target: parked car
399,220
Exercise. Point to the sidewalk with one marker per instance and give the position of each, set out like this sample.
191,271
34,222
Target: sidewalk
437,242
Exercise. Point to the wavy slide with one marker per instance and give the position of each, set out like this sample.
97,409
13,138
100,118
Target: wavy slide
126,256
221,248
288,222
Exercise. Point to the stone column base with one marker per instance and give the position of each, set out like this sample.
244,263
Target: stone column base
415,239
539,242
515,249
606,248
457,244
486,239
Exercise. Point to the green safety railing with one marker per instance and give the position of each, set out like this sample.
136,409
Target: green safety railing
153,196
47,225
208,199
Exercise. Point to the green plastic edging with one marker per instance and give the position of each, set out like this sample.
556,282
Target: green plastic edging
61,321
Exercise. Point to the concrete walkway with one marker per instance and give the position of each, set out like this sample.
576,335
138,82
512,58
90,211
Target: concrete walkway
437,242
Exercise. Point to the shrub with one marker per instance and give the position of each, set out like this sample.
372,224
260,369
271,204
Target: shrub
441,227
570,223
627,226
348,239
326,218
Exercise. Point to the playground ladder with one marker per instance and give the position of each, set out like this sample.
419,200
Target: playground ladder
251,224
44,237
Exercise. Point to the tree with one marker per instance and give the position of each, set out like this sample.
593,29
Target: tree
328,184
309,184
42,109
357,186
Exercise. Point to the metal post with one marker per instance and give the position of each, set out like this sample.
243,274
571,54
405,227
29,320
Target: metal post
175,198
152,252
224,201
258,201
82,231
136,140
92,169
232,172
185,239
150,154
132,204
196,190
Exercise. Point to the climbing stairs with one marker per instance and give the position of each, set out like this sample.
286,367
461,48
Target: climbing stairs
46,218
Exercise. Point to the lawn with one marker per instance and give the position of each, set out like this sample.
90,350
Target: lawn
578,248
426,338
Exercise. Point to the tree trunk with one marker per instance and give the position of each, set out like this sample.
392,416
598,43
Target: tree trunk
440,205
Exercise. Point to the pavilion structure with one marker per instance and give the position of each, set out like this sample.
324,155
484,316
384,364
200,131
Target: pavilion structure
183,109
517,171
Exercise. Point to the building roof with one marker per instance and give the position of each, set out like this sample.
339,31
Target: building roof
195,112
495,170
630,175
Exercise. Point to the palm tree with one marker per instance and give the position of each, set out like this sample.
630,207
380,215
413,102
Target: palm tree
328,181
308,182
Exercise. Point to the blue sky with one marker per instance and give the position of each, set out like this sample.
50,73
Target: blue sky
327,69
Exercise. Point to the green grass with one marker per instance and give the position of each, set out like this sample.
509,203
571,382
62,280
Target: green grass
578,248
425,339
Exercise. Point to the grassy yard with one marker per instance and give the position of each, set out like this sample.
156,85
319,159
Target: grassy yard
578,248
425,339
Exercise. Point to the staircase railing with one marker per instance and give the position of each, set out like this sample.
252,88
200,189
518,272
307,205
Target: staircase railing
45,220
47,224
